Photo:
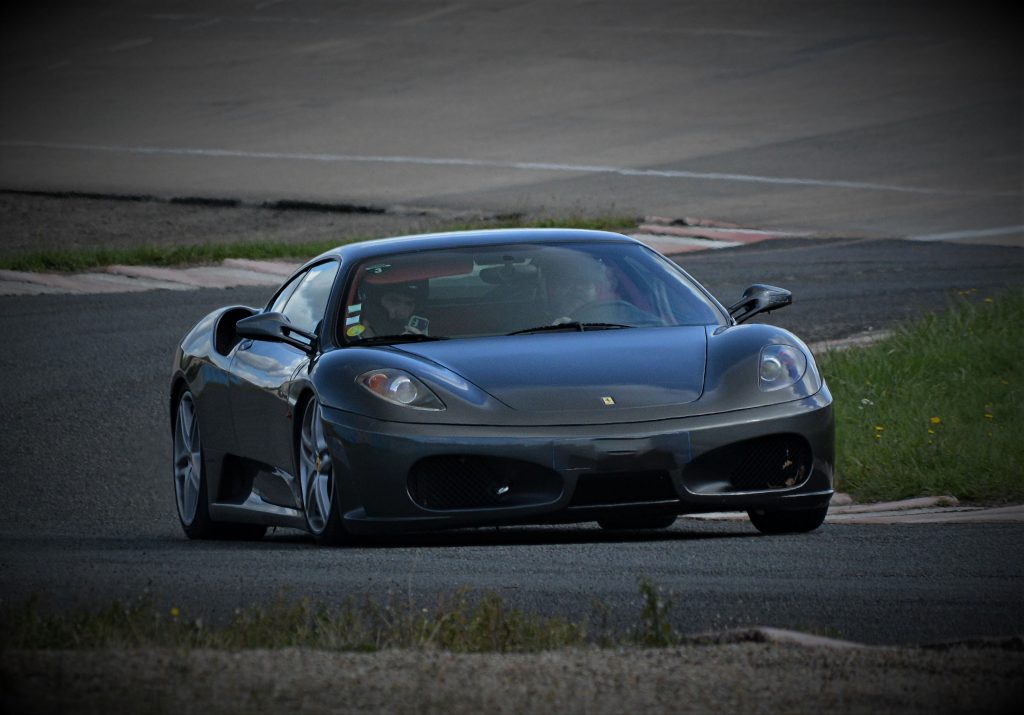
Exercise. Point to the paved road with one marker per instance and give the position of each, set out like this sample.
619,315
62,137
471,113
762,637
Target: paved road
87,511
895,119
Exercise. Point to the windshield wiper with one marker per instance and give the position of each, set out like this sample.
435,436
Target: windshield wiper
574,326
400,338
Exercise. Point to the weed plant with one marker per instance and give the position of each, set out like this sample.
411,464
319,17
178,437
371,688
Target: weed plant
935,408
461,622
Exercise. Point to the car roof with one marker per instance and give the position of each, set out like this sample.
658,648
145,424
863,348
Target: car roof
466,239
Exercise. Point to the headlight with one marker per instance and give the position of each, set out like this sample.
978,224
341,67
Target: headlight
400,388
780,366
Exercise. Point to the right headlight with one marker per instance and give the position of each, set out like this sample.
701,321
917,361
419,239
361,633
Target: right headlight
400,388
780,366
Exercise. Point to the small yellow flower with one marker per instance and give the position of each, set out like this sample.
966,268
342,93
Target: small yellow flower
936,420
988,415
879,428
988,300
175,612
931,431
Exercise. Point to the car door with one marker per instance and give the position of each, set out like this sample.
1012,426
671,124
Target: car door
262,371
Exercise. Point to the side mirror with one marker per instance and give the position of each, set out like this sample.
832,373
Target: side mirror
274,327
759,298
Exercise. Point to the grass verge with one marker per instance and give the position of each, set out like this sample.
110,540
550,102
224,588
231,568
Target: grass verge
458,623
69,261
934,409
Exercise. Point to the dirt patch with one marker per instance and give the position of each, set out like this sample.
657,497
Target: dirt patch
749,678
37,222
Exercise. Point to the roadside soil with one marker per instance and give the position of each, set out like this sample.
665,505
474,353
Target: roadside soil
38,222
735,678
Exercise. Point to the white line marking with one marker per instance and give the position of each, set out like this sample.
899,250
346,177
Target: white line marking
517,165
129,44
432,15
979,233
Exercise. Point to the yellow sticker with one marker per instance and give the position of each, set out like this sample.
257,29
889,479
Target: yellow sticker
355,331
608,401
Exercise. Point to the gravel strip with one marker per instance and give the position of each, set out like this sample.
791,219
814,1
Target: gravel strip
746,677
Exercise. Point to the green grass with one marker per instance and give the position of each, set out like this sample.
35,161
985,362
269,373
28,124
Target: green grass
69,261
935,409
461,622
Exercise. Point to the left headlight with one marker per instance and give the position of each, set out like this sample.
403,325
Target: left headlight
780,366
400,388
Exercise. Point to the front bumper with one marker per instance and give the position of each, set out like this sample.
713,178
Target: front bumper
374,462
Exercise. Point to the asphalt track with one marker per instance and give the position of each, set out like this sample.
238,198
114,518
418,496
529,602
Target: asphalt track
88,513
845,118
852,120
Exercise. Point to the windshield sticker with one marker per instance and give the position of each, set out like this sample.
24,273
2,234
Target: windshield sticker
355,308
355,331
352,320
378,269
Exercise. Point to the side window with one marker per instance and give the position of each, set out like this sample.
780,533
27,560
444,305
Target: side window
306,304
278,305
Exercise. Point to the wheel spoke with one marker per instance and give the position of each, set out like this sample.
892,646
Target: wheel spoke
323,496
184,433
193,433
306,441
190,495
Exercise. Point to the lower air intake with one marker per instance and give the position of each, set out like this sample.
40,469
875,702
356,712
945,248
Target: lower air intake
472,482
765,463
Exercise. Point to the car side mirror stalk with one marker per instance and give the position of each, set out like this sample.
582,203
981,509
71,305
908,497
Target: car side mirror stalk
275,327
759,298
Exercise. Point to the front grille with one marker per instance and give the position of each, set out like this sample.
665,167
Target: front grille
474,482
774,462
623,488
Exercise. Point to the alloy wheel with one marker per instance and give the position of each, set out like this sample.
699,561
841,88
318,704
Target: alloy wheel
315,470
188,459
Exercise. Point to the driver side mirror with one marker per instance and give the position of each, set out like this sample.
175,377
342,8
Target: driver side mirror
276,328
759,298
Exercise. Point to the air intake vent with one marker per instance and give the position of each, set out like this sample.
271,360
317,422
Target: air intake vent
473,482
765,463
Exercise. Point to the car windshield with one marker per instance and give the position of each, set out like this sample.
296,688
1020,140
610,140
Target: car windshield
518,289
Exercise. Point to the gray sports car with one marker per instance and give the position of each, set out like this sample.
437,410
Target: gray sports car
495,377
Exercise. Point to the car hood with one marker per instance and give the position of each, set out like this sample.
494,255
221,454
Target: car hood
623,369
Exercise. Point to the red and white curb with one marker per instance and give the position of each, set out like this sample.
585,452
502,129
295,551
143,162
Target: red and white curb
922,510
233,272
673,236
667,236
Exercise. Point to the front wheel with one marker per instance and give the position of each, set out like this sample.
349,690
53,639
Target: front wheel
787,522
317,479
190,490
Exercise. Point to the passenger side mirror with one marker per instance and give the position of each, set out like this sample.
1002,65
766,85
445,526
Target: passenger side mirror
759,298
276,328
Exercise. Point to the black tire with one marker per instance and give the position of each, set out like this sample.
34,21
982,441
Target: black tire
317,479
638,522
188,469
787,522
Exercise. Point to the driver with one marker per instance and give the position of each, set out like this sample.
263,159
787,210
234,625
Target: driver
391,310
572,284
